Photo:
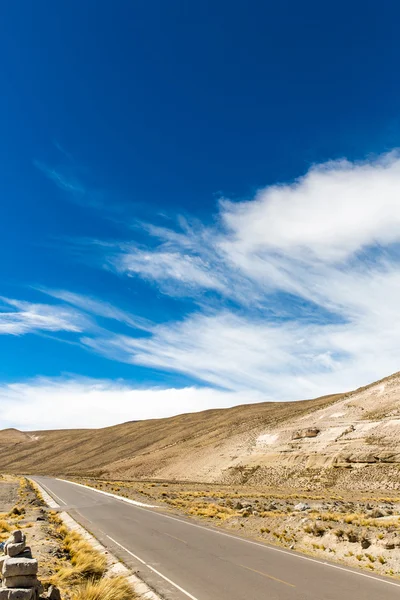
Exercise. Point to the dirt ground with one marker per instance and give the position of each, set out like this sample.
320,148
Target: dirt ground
359,530
66,559
21,509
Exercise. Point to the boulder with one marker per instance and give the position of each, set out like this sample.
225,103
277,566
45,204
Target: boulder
389,545
27,553
18,536
53,593
15,549
311,432
302,506
376,514
20,566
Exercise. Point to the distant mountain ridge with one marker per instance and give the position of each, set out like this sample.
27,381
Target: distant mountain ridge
352,438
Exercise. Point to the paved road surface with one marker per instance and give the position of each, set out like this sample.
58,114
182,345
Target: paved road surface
182,559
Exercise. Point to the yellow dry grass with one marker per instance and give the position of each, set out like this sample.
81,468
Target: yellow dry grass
116,588
85,562
211,511
4,526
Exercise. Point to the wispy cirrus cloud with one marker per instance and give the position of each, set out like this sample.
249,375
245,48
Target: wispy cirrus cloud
297,289
65,178
99,308
170,266
62,179
18,318
313,270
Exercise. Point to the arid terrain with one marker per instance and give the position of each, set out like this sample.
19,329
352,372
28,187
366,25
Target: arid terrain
66,560
347,442
318,476
357,530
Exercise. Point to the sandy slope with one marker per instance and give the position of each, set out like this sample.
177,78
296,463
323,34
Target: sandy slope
335,435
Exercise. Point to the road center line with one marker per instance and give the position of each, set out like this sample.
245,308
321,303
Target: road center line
178,587
269,576
240,539
175,538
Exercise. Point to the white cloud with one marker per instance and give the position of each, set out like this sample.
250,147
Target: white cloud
85,403
190,271
285,361
28,317
66,182
335,210
99,308
307,278
314,270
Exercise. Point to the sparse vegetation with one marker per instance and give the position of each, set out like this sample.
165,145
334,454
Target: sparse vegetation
80,571
116,588
338,525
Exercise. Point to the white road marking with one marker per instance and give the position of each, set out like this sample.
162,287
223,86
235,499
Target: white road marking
126,549
53,494
178,587
265,546
128,500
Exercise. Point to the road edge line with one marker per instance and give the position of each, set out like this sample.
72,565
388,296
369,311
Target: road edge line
115,566
294,554
127,500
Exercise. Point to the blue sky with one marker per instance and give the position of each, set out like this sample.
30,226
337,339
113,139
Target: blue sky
200,205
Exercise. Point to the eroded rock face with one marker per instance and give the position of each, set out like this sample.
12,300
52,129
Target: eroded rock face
311,432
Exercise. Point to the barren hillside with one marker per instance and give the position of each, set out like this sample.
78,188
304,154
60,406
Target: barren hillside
352,439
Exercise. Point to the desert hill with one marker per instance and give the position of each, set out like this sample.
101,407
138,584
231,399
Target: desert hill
351,438
13,436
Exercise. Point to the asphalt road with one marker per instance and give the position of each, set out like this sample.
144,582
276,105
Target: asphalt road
182,559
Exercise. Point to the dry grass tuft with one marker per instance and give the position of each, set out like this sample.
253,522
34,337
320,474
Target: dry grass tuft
4,526
116,588
17,511
85,562
212,511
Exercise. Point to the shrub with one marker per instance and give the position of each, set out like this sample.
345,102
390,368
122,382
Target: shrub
17,511
4,526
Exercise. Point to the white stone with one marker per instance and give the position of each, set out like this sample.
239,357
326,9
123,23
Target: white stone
21,581
302,506
20,566
18,536
21,594
15,549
